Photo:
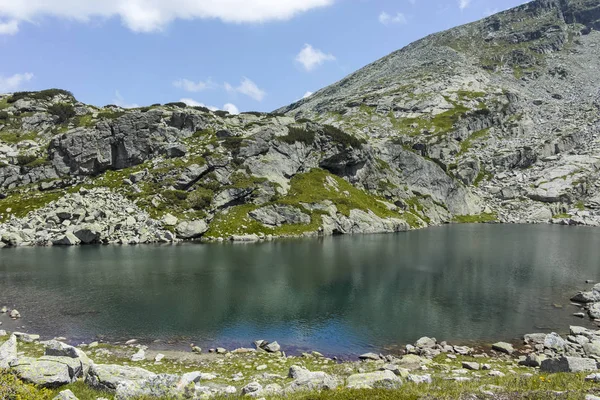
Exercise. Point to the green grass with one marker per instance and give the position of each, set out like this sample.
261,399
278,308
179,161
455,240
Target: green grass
476,219
437,124
16,137
561,216
466,144
341,137
21,203
315,186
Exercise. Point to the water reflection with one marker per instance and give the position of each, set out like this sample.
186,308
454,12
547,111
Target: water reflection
340,295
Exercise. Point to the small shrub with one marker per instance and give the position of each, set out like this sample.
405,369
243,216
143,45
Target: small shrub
63,111
201,198
233,144
342,137
178,104
298,135
200,108
222,113
111,114
255,113
3,115
25,159
42,95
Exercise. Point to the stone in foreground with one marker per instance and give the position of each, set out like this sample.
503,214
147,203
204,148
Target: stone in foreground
108,377
8,352
503,347
47,373
310,381
569,364
374,380
66,395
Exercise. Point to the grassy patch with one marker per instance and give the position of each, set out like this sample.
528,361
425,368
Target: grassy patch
561,216
42,95
466,144
476,219
23,203
16,137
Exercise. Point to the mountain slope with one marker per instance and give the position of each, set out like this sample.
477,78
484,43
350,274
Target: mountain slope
495,120
507,105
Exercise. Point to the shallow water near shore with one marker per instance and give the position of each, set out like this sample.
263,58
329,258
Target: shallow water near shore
339,295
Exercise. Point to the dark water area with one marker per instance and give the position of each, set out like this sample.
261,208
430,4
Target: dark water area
340,295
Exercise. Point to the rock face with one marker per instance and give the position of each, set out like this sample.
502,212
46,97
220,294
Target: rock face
47,371
496,120
108,377
569,364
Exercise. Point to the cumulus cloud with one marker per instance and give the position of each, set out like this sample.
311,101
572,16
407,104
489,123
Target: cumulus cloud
248,88
310,58
462,4
9,27
14,82
118,100
231,108
194,87
149,16
307,94
387,19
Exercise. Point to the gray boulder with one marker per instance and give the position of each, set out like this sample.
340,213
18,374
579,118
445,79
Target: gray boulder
533,360
569,364
272,347
594,311
69,239
108,377
158,386
191,229
554,342
310,381
190,176
374,380
503,347
8,352
369,356
48,372
55,348
88,234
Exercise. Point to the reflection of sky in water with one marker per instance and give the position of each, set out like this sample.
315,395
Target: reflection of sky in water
336,295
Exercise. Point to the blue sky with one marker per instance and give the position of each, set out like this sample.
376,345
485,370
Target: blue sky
250,55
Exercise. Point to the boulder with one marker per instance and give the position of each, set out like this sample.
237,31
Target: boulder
191,229
503,347
252,389
533,360
158,386
569,364
473,366
374,380
8,352
108,377
369,356
69,239
310,381
48,372
554,342
426,343
55,348
418,379
535,338
88,234
272,347
594,311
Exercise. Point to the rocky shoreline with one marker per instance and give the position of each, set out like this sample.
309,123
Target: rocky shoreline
131,370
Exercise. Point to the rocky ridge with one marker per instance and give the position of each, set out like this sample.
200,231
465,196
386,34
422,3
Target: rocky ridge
497,120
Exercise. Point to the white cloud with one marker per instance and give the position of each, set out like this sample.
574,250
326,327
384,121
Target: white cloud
231,108
311,58
248,88
387,19
462,4
120,101
194,87
9,27
307,94
155,15
12,83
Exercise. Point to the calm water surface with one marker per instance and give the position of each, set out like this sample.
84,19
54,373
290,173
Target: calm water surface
341,295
